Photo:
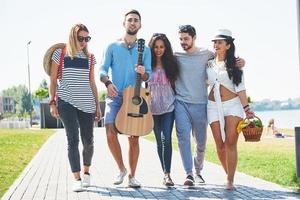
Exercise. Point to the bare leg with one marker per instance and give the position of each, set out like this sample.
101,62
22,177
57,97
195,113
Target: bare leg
215,128
76,175
86,169
231,123
133,154
114,145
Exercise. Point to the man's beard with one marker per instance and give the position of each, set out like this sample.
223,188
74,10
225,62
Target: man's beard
186,46
129,32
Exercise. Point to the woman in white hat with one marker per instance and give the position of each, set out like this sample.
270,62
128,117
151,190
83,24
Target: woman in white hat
227,101
75,100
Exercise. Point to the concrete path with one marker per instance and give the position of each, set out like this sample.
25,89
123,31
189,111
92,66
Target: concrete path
48,176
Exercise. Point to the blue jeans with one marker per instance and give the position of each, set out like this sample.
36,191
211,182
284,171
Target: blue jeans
72,119
191,117
163,125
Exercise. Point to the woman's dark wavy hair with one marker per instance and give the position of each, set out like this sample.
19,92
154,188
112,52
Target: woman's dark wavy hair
169,61
234,73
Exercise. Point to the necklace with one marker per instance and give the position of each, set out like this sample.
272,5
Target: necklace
129,45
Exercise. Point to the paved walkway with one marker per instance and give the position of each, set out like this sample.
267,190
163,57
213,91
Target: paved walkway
48,176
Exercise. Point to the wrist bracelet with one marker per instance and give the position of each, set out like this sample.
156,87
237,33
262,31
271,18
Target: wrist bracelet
107,83
247,110
246,106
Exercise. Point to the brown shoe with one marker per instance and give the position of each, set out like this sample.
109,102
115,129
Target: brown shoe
168,181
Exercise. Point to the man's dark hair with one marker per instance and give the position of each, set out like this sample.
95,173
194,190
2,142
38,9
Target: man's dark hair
132,11
189,29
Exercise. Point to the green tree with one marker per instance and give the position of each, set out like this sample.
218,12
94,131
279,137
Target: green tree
21,98
41,93
249,99
44,84
102,95
26,104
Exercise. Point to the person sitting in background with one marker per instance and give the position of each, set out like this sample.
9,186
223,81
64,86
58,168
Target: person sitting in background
273,130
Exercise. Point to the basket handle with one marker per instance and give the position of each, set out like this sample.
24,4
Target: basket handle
255,116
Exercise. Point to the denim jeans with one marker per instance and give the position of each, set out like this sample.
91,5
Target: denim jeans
163,125
72,119
112,107
191,117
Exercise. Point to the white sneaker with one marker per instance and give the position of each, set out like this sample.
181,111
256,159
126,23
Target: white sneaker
77,186
120,177
86,181
133,183
199,178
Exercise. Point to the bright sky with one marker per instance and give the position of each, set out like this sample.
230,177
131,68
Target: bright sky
265,32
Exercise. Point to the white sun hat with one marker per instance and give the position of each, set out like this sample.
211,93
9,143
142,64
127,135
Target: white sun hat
223,34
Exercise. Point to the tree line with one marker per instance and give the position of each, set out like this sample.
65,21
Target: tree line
23,104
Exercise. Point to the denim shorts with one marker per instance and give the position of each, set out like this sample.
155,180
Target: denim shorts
112,107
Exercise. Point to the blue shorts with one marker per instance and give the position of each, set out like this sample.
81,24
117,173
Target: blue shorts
112,107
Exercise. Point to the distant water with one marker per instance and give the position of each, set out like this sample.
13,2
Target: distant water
282,118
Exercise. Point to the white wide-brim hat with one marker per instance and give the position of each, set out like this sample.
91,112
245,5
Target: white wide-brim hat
223,34
48,56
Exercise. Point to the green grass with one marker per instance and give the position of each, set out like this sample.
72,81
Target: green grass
17,147
271,159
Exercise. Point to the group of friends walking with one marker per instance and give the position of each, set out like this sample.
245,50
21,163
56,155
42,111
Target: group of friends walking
178,85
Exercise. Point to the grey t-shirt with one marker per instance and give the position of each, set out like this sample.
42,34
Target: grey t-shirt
191,83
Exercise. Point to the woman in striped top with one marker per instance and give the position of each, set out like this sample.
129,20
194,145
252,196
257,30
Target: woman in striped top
162,85
75,100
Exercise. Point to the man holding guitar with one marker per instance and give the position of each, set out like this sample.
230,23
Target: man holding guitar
122,57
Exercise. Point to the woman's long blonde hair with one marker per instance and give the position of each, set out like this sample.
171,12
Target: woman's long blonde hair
73,44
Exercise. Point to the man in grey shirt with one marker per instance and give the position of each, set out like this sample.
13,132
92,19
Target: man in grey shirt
191,101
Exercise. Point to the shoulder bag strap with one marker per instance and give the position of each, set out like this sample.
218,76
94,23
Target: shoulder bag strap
61,58
91,62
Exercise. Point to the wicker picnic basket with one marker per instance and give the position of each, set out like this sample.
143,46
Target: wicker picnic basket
253,133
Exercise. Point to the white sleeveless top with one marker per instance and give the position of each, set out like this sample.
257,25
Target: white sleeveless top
218,73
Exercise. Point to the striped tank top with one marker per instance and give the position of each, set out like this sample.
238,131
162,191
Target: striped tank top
74,86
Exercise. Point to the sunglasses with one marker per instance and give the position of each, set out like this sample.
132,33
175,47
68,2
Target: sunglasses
159,34
187,28
86,39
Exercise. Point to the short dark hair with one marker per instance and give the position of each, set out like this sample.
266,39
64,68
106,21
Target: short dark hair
133,11
187,29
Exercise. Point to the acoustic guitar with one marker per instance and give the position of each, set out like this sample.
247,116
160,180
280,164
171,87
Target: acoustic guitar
135,117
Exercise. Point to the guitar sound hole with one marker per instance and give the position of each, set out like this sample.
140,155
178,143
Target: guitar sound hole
136,100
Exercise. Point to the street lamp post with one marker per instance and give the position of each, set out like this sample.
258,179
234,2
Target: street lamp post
297,129
298,22
30,104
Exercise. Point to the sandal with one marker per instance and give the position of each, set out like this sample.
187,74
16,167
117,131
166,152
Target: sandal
229,186
168,181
